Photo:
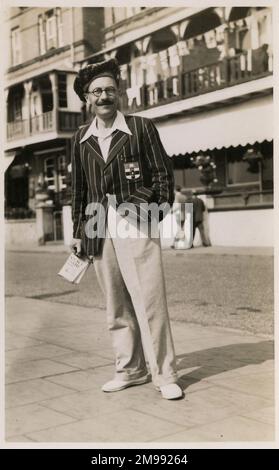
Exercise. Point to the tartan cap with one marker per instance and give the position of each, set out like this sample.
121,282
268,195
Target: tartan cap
107,68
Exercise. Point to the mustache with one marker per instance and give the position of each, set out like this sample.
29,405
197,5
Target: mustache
103,102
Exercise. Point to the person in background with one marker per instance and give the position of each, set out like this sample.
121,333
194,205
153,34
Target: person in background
178,209
198,217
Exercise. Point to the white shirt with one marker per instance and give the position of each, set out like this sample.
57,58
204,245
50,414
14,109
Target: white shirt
104,135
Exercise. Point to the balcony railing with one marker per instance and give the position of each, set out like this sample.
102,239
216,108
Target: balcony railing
225,73
68,121
42,123
16,129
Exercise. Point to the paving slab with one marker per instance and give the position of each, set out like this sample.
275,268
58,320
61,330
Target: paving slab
78,340
44,313
84,379
260,384
87,404
42,351
131,426
20,371
28,418
16,341
84,360
19,439
263,415
32,391
233,429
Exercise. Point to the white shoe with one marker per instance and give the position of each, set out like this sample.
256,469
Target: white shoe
117,385
171,391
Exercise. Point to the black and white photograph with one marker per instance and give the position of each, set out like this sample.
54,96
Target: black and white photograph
139,228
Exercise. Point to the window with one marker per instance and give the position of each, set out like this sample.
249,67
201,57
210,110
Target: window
50,173
193,178
17,108
267,173
59,27
16,46
50,30
62,90
62,172
267,165
55,173
42,36
240,172
188,177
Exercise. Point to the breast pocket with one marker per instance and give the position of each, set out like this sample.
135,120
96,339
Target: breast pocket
132,171
132,168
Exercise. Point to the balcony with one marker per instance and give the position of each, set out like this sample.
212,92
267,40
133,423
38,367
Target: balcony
240,68
51,121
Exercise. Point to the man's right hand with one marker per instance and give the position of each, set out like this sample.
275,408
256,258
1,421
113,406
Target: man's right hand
76,246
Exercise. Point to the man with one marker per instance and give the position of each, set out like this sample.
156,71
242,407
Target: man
198,217
121,159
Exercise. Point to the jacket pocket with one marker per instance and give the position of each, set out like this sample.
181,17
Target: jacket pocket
132,171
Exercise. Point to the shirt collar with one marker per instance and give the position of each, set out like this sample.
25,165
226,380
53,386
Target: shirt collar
118,124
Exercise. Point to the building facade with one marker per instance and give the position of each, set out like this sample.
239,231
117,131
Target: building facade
42,110
204,75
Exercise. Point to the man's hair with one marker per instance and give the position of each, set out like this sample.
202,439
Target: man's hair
178,188
107,68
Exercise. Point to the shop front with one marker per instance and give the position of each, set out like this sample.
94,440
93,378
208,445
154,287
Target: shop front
238,138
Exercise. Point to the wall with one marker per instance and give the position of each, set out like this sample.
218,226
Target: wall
27,20
74,103
21,232
28,23
228,228
241,228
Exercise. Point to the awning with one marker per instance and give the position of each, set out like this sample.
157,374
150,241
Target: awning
234,125
8,159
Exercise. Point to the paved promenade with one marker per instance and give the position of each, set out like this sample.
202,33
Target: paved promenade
58,355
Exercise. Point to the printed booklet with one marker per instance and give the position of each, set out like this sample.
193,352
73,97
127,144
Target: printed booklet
74,268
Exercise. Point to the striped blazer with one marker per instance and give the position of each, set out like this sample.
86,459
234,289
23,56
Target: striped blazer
136,171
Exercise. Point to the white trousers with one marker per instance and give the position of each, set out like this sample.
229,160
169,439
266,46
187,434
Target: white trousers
130,273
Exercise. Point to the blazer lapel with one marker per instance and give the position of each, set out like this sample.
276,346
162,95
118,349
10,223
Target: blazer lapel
117,142
93,146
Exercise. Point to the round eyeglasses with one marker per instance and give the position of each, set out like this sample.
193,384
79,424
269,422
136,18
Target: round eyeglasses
110,91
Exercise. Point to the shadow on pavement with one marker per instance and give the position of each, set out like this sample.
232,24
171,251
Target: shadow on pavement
217,360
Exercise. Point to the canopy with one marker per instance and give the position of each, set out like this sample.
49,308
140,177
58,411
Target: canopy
234,125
